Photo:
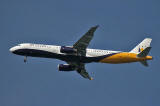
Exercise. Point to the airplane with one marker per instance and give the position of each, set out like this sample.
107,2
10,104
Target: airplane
78,55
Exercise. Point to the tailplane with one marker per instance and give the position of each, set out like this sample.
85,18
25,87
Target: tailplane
142,46
144,63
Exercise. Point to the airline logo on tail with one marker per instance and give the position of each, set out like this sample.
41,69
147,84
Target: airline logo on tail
141,49
142,46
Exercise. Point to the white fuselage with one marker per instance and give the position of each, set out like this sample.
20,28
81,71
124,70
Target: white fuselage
56,49
92,55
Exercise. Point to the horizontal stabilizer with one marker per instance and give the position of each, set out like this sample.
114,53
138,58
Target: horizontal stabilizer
144,52
144,63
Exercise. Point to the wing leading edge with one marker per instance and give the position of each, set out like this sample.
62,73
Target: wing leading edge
84,41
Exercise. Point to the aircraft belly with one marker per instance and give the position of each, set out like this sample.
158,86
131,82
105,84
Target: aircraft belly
36,53
48,54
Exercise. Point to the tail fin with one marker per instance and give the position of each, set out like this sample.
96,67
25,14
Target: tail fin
143,45
145,52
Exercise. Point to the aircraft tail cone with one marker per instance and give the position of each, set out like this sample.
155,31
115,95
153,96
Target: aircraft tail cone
91,78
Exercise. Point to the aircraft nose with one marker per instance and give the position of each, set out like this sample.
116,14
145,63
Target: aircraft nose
12,49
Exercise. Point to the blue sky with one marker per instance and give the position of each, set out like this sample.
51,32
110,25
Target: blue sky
123,24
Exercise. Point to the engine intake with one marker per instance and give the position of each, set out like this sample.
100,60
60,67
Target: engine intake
65,49
66,67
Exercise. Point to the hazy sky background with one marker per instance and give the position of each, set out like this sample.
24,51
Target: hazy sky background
123,24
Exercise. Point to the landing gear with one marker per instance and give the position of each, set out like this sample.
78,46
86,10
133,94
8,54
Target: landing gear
25,59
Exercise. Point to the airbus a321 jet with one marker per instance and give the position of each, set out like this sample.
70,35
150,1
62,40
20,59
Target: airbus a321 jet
78,55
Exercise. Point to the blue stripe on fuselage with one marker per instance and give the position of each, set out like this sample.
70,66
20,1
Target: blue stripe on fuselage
63,57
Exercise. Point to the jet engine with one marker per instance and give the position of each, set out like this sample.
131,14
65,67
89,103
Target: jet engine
65,49
66,67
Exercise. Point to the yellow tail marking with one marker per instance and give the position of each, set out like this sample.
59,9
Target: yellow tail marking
142,49
123,57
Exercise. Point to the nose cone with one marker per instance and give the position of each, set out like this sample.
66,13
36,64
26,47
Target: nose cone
11,49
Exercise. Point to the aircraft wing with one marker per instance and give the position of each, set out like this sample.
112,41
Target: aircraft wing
84,41
80,68
82,71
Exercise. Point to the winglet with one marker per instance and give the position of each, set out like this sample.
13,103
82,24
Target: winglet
92,29
96,26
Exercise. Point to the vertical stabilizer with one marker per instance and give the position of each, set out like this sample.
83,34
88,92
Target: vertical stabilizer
143,45
144,53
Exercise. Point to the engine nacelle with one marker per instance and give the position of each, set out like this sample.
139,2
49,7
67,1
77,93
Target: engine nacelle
66,67
65,49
